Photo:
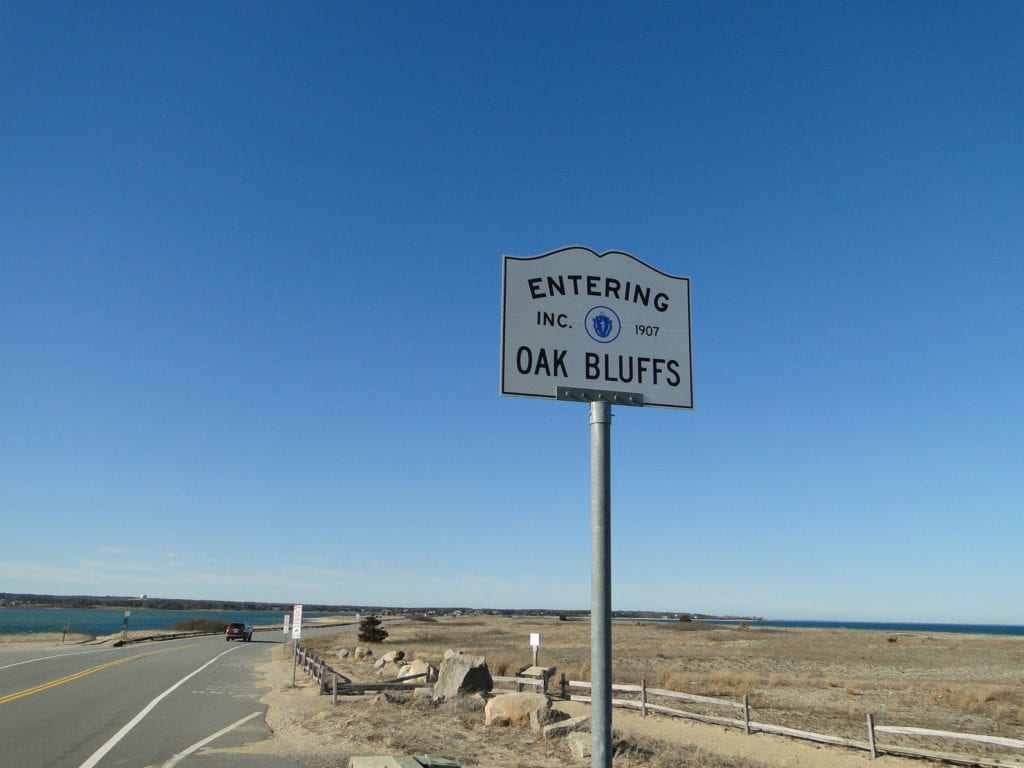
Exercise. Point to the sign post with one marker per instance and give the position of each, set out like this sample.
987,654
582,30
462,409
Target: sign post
296,634
602,329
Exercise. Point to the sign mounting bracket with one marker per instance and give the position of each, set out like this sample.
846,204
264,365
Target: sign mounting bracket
578,395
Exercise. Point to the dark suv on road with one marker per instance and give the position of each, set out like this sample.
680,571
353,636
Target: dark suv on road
236,630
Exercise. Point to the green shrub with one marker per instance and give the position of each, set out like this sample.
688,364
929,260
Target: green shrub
370,630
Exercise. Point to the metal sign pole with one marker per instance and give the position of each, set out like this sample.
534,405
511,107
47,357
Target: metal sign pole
295,659
600,585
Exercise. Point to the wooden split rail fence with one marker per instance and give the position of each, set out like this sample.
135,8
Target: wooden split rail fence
644,705
341,685
333,682
899,730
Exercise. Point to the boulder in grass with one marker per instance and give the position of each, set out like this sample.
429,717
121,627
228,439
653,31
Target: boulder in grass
389,670
418,667
578,743
541,718
564,728
462,673
514,708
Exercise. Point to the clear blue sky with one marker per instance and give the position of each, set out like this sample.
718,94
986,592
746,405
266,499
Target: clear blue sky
250,282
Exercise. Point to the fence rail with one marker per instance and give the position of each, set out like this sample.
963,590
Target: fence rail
904,730
751,726
522,682
339,685
645,706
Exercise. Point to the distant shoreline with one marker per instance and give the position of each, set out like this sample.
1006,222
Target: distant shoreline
104,621
146,605
883,626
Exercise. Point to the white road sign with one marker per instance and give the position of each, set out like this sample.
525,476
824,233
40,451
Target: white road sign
577,319
297,621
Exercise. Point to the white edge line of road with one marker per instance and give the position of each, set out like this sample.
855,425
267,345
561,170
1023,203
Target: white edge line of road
200,744
100,753
55,656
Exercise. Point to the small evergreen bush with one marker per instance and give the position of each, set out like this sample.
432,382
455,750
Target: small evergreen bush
370,630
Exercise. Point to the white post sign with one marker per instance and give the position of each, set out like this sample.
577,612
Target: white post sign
287,619
297,621
575,320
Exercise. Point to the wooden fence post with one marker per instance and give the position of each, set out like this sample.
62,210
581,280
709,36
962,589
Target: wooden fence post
643,697
565,686
746,713
334,697
871,735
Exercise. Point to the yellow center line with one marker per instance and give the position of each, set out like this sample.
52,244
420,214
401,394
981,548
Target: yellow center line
54,683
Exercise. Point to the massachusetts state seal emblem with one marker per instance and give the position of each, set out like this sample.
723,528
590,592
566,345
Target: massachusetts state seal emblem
602,324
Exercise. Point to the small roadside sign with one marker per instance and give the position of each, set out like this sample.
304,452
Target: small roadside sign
287,621
297,621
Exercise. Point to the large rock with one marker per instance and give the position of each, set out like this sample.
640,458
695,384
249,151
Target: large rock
462,673
393,656
564,728
578,743
418,667
384,761
403,761
541,718
514,708
389,669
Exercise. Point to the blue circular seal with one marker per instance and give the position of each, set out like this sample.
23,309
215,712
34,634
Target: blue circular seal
602,324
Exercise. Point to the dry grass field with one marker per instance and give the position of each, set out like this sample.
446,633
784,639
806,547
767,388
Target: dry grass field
825,681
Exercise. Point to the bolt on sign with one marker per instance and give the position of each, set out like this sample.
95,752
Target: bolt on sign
577,323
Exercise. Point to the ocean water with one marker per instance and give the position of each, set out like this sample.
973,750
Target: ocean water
885,626
107,621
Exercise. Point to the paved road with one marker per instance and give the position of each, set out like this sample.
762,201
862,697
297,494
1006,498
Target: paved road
152,704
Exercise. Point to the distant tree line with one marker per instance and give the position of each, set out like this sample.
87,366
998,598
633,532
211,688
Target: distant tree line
156,603
177,604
